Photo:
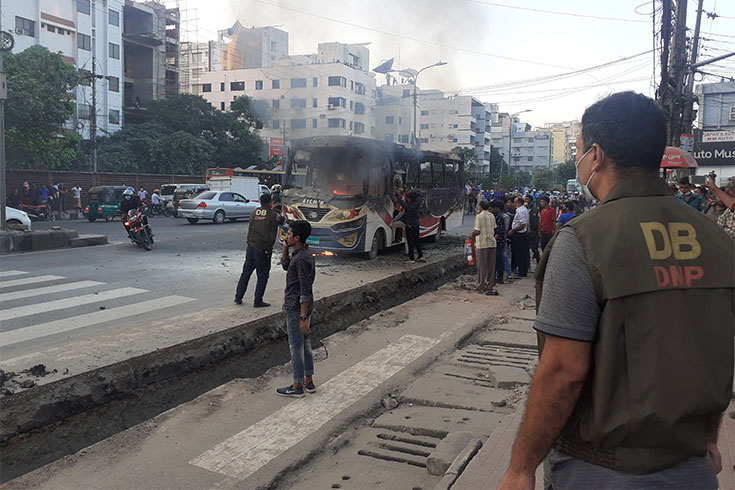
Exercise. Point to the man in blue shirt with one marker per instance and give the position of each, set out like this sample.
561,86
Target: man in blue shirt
566,216
690,198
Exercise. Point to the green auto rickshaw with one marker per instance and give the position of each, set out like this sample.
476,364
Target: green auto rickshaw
104,202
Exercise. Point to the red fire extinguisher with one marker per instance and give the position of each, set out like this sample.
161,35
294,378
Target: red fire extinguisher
469,250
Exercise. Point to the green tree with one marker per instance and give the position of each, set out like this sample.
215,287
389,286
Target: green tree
469,157
38,105
542,179
565,171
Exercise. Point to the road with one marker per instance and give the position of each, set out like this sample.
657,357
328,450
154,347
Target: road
53,298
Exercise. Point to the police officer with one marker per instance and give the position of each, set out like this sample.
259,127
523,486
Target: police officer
262,231
635,314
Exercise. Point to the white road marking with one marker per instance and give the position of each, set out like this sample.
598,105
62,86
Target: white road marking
80,321
60,304
28,280
12,273
245,453
48,290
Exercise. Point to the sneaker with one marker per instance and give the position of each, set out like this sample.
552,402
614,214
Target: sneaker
289,391
238,301
262,304
310,387
411,261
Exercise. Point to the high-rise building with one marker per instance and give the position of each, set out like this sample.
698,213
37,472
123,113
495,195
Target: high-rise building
564,135
256,47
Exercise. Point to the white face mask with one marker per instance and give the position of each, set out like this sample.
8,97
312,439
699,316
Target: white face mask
583,187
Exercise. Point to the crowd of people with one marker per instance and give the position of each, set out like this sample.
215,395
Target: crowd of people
717,203
56,197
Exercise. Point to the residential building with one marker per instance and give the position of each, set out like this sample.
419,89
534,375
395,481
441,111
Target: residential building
89,36
196,58
530,150
151,53
714,146
500,132
256,47
301,96
564,136
442,123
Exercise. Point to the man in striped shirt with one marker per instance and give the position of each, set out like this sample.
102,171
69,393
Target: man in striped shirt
485,245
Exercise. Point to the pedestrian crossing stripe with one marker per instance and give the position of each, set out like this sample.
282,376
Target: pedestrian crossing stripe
29,293
243,454
4,274
28,280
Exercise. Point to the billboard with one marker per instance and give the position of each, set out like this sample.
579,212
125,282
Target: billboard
714,153
276,147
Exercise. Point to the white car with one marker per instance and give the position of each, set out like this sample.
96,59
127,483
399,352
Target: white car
18,217
216,205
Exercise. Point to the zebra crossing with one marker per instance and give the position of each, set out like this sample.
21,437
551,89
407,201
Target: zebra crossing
37,306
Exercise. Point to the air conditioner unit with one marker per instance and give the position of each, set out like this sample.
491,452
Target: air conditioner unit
19,30
330,107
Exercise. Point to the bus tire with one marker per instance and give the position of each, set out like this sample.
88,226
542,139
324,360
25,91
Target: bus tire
436,237
376,245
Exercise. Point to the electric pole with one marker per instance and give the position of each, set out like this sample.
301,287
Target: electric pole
688,116
677,72
93,115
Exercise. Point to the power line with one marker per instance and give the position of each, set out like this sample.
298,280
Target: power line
553,12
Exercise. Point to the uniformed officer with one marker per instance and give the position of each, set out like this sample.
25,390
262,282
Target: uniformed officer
262,231
635,315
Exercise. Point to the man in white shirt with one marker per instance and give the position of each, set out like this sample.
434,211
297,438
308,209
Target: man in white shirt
519,237
142,194
485,247
76,194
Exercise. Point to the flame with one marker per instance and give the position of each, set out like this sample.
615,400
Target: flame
337,192
327,253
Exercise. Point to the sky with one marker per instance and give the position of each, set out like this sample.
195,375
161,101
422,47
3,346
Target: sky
502,52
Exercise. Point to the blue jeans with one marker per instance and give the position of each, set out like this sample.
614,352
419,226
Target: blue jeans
255,260
506,262
300,344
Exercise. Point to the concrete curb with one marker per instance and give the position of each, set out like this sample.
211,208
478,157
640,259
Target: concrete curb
459,464
32,241
42,407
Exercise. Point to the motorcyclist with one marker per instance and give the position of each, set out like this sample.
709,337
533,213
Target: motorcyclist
132,202
156,201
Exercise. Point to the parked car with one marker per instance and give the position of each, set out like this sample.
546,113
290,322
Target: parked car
17,217
217,206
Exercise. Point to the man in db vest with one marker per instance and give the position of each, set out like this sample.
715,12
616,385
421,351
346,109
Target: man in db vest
262,231
635,321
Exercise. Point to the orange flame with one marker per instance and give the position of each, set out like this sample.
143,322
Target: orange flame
337,192
327,253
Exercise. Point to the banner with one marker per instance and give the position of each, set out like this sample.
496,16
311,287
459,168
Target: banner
715,153
276,147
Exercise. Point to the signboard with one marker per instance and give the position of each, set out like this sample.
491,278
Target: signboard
715,153
714,136
276,147
686,141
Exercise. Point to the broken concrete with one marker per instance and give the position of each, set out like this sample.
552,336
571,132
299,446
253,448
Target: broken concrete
438,422
442,457
507,338
56,237
442,390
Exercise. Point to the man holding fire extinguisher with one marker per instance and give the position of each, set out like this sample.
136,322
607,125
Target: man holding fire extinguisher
485,245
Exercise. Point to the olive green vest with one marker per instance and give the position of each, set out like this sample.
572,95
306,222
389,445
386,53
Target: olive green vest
664,276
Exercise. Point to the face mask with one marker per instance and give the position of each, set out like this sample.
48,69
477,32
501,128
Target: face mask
583,187
127,197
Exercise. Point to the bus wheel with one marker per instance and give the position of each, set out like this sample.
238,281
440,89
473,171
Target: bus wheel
376,245
437,237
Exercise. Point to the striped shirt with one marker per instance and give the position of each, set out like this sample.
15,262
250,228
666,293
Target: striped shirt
485,224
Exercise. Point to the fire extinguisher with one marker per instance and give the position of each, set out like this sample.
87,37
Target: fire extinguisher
469,250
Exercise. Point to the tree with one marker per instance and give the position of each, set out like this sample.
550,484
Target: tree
38,105
542,179
565,171
469,157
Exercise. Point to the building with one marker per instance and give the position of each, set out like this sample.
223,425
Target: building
257,47
196,58
564,136
88,36
151,54
500,132
714,147
301,96
530,150
442,123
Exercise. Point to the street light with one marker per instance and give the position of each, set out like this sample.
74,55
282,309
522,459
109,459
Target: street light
510,139
414,75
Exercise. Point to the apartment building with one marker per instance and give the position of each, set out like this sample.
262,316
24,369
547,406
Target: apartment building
302,95
442,123
87,34
564,136
530,150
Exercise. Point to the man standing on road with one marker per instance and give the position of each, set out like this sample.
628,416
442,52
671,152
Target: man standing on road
635,319
76,194
485,246
519,238
547,222
262,231
298,304
411,213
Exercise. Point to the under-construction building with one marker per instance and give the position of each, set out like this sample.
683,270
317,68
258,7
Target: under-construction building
151,54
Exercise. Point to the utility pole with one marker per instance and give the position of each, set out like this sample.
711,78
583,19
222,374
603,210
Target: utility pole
93,116
688,115
677,72
3,92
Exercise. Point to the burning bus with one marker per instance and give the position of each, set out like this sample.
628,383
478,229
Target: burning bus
349,188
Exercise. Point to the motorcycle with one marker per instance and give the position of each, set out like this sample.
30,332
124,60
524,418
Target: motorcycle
138,230
39,211
160,210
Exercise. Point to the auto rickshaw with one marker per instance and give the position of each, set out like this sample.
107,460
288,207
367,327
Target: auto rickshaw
104,202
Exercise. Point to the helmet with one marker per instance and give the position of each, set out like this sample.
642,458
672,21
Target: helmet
276,188
128,193
156,191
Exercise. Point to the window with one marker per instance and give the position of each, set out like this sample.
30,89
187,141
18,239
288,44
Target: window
352,105
226,196
337,82
84,42
222,106
114,84
275,84
51,28
237,86
403,138
222,86
389,138
359,108
298,123
423,140
298,83
206,87
530,140
113,17
273,45
424,113
425,173
83,6
359,128
298,103
406,92
84,111
359,88
115,51
335,123
352,85
438,172
376,181
351,125
389,120
258,84
336,101
424,126
530,159
315,82
114,117
275,104
314,123
400,119
315,102
276,124
455,125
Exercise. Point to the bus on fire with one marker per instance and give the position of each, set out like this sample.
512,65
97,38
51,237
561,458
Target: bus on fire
348,194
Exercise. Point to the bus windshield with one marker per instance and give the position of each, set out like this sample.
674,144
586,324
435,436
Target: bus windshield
339,171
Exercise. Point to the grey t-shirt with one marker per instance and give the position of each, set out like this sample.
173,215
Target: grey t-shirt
569,309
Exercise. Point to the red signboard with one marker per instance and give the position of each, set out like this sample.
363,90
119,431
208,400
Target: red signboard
677,158
276,147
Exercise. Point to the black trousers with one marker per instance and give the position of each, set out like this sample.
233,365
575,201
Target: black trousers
414,243
259,261
520,250
533,244
545,239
